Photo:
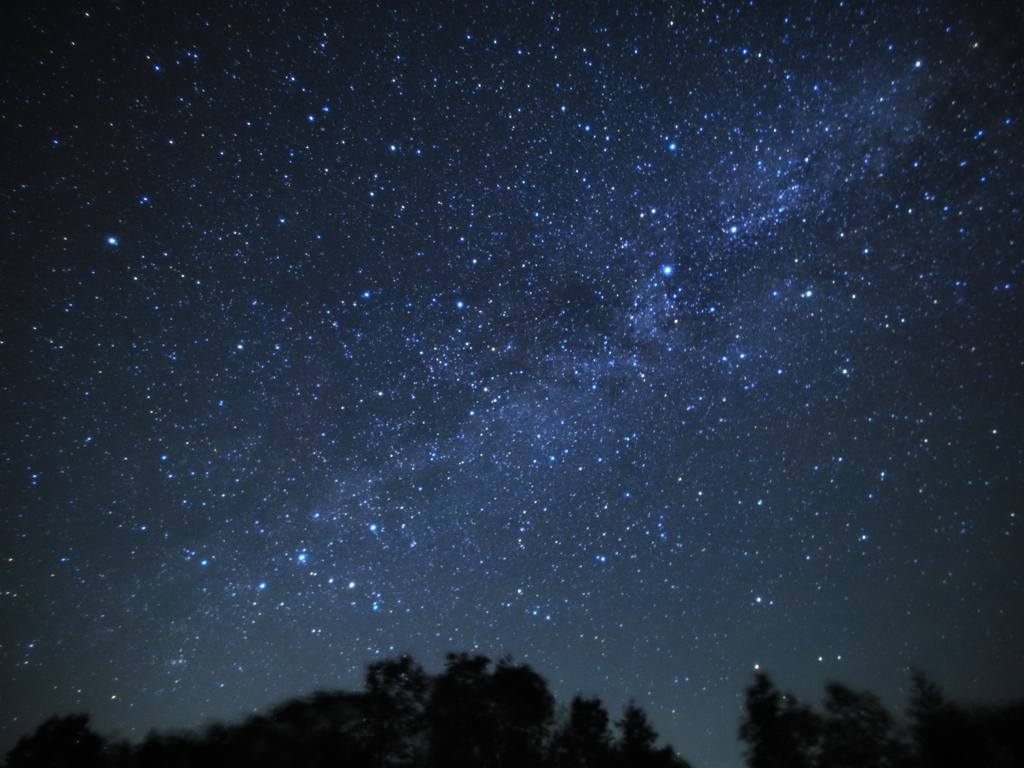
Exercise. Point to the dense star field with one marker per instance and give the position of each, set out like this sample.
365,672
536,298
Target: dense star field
652,345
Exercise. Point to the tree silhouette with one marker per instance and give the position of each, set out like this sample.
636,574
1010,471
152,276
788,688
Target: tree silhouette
60,741
479,717
315,730
523,711
393,707
638,736
475,714
584,740
637,739
939,729
779,731
461,731
948,735
858,731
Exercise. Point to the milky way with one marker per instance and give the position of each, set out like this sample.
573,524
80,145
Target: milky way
647,345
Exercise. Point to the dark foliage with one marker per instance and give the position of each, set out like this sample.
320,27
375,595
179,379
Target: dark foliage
583,740
481,714
475,714
856,731
636,745
57,742
393,711
779,731
949,735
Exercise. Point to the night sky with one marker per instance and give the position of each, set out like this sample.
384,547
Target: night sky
651,344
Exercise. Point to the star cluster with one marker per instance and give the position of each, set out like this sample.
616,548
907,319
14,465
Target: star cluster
645,343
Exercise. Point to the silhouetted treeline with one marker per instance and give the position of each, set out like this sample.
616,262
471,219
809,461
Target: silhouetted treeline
474,714
856,731
481,714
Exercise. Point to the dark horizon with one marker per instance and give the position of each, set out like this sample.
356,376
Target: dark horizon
657,345
500,714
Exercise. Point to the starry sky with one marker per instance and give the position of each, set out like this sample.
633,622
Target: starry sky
649,343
